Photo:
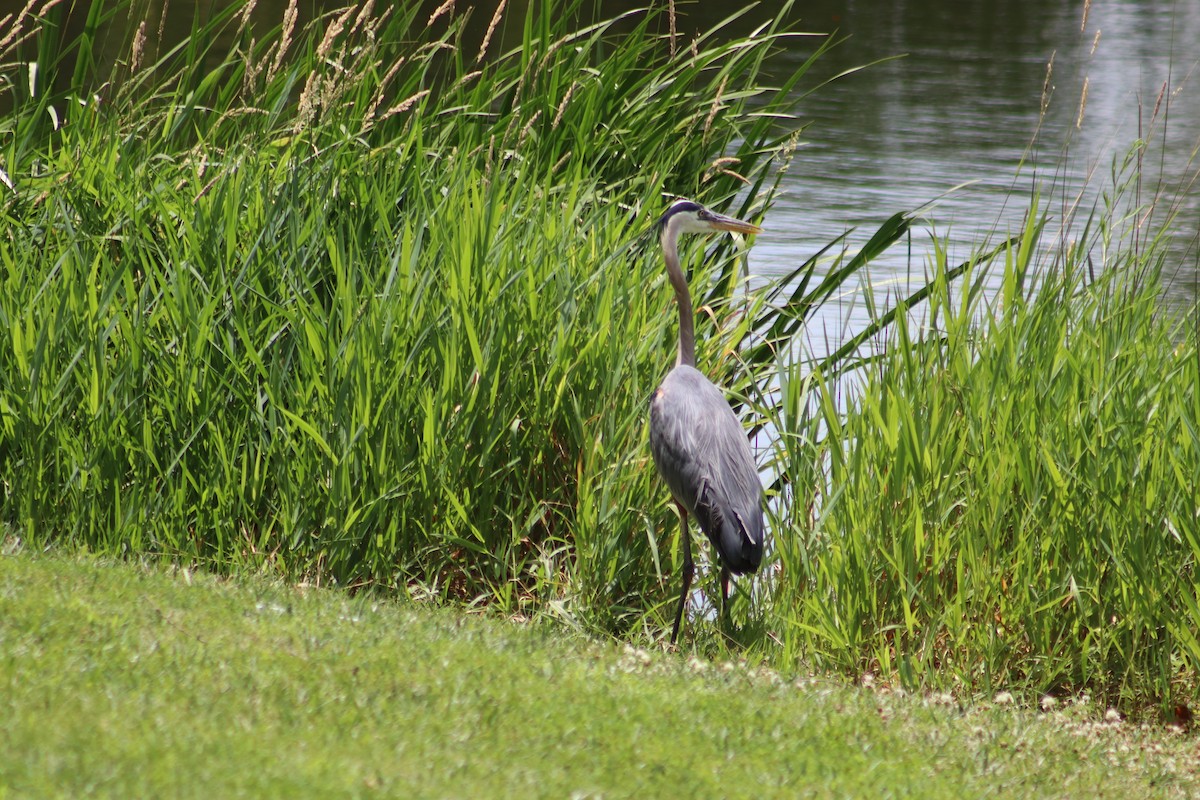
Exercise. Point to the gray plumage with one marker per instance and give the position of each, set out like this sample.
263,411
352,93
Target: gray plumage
698,444
703,455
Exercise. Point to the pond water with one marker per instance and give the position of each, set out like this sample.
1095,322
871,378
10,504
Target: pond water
990,93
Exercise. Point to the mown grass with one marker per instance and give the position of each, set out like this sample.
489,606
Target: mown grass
373,304
123,681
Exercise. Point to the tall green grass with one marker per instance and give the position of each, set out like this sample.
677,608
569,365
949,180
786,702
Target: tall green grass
364,303
1008,499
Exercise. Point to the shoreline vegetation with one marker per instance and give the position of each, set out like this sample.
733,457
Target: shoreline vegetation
357,304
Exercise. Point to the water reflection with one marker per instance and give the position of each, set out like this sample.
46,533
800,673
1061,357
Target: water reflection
987,92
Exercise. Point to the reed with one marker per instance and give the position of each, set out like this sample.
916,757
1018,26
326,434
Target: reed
341,302
1007,499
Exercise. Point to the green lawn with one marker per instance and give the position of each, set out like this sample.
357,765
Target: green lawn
127,681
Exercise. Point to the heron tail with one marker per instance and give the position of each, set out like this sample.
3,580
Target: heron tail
741,542
737,535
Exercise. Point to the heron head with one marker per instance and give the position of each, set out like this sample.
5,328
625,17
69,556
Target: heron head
688,216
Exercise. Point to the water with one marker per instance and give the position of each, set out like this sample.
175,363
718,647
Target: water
964,101
990,94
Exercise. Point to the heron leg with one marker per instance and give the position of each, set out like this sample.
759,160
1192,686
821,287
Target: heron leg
689,570
725,594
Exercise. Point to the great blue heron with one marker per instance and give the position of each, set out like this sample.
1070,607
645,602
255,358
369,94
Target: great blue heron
698,444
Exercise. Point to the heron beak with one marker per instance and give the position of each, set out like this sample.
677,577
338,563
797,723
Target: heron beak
721,222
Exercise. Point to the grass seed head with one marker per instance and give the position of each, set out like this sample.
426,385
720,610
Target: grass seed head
139,46
487,38
445,8
290,15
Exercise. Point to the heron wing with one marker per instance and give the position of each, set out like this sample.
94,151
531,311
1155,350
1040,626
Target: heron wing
703,455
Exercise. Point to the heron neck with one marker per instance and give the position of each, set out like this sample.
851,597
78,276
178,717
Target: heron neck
687,331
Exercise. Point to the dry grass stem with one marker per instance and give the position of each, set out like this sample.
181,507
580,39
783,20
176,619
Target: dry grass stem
289,26
1162,92
1095,44
15,30
139,47
365,14
671,22
162,19
1082,105
487,38
552,49
244,18
558,115
250,71
1047,87
716,106
465,79
306,107
16,34
445,8
788,153
404,105
1087,7
528,126
237,113
491,155
718,167
382,89
519,92
332,33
